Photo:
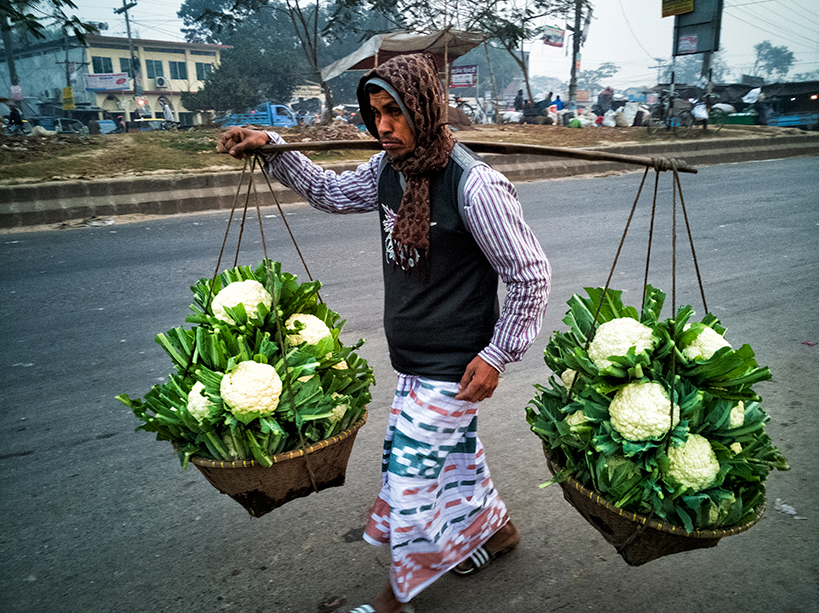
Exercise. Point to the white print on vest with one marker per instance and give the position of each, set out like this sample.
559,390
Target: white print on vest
390,244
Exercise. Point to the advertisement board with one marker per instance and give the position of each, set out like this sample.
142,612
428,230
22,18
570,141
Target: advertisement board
698,31
464,76
113,81
677,7
554,36
68,98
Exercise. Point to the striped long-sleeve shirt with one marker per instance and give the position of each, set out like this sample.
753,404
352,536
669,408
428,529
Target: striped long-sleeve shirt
492,213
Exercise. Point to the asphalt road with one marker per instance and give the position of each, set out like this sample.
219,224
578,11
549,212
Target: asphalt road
99,518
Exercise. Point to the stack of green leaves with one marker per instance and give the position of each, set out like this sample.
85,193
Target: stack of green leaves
658,416
261,372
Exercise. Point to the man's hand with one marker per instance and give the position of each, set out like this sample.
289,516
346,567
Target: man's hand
240,142
479,381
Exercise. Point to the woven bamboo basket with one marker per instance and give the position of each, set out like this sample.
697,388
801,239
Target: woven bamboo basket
260,489
637,538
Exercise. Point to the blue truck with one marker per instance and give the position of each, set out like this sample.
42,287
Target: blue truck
266,114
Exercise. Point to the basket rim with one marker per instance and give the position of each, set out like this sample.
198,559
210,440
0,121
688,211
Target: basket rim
652,523
287,455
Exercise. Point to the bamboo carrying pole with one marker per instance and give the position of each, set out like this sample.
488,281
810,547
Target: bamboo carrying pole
481,147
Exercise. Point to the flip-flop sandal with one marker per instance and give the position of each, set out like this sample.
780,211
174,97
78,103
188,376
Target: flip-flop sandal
365,608
480,558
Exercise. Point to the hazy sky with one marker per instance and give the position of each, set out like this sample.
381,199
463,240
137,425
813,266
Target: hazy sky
630,33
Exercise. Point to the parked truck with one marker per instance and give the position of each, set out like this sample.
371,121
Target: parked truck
266,114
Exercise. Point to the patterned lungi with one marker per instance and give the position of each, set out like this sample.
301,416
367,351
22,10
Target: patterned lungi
437,503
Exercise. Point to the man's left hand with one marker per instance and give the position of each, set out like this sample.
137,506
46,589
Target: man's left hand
479,381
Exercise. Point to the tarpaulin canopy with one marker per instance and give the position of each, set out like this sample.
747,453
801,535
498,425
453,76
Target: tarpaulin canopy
382,47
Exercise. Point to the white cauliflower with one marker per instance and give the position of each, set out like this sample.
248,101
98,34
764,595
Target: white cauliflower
249,293
578,418
737,415
342,405
314,329
736,447
694,464
615,337
341,365
198,404
641,411
252,389
568,376
705,344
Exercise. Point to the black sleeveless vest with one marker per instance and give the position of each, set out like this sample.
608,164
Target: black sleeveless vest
436,323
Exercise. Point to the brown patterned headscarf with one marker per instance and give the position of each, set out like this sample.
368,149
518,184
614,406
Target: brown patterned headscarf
414,78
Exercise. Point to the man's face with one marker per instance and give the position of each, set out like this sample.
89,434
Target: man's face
393,128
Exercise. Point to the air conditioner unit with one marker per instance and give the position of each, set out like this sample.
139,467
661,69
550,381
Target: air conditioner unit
161,82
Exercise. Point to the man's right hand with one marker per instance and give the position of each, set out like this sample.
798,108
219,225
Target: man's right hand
240,142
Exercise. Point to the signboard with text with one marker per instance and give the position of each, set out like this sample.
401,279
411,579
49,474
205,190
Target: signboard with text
698,31
677,7
554,36
464,76
68,98
114,81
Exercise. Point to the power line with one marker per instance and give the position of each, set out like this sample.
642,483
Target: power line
632,31
768,29
790,21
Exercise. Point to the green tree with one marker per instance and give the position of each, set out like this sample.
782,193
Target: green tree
688,68
807,76
218,19
772,61
593,79
508,24
33,17
254,71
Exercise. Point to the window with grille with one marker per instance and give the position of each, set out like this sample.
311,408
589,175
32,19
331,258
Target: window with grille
102,64
153,68
203,70
178,70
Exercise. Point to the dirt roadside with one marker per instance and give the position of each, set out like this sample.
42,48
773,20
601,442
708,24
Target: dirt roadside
67,157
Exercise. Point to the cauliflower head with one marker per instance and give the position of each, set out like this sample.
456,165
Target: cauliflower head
641,411
568,376
314,329
249,293
251,390
737,415
736,447
694,464
705,344
198,404
615,337
578,418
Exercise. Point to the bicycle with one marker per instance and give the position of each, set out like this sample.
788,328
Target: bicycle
465,108
666,115
716,116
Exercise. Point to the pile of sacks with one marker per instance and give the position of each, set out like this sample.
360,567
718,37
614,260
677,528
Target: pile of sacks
625,116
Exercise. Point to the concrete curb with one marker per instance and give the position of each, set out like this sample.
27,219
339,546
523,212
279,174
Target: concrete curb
57,202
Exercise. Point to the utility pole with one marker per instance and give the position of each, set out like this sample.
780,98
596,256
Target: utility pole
135,67
576,40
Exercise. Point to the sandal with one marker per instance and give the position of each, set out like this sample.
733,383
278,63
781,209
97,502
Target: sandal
365,608
480,558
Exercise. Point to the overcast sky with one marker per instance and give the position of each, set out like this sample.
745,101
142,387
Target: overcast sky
630,33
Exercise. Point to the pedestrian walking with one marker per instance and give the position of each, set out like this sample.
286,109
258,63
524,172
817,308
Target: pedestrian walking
438,509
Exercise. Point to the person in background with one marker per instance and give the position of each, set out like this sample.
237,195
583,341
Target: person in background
448,339
558,103
519,101
93,126
15,120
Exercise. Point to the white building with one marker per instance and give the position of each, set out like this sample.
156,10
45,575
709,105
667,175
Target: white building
100,78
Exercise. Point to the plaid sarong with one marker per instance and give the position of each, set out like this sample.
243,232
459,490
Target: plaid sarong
437,503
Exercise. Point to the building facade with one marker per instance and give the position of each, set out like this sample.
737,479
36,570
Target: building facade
102,81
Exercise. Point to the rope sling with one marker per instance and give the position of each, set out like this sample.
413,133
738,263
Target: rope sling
257,161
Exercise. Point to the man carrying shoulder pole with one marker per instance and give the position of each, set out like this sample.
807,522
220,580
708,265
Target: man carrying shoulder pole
451,227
